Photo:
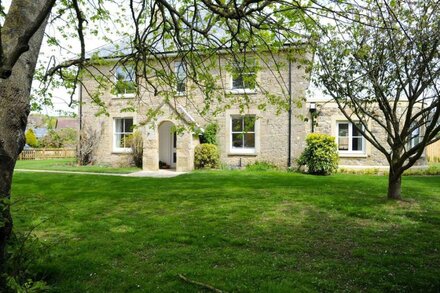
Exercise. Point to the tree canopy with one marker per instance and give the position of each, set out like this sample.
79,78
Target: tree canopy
382,67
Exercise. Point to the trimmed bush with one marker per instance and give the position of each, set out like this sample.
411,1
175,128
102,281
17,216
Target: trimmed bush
206,156
31,138
320,155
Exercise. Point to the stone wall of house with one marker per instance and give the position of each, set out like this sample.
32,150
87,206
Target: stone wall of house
272,122
329,114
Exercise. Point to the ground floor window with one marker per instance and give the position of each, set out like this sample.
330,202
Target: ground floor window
349,138
243,133
123,127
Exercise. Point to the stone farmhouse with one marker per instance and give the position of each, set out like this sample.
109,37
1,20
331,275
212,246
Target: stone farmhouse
245,134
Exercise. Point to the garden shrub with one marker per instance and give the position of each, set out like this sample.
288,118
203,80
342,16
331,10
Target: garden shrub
90,137
206,156
320,155
25,257
261,166
31,138
210,134
137,150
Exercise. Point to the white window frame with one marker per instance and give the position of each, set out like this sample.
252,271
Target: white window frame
126,69
117,149
177,65
242,150
250,63
350,139
414,138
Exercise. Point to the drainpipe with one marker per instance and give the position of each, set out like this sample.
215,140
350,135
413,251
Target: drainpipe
80,122
289,143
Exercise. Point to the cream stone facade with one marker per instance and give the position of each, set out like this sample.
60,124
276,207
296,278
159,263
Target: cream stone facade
270,141
267,141
327,120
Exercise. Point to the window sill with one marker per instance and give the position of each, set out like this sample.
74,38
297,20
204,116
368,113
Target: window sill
353,155
123,96
122,152
242,153
243,91
180,94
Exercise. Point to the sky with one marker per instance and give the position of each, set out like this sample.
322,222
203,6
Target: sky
56,54
51,55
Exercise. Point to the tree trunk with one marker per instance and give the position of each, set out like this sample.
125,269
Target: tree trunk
394,186
14,109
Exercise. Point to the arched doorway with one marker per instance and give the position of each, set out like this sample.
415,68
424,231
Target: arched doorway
167,145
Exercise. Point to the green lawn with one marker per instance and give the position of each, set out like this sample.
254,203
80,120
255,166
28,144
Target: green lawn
235,230
70,165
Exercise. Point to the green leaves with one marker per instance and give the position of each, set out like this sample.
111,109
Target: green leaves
320,155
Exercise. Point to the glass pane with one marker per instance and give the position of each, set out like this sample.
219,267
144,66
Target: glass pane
250,81
357,144
249,140
237,82
130,74
181,86
249,123
125,73
128,125
237,140
343,129
119,125
118,138
343,143
237,124
355,131
124,140
120,74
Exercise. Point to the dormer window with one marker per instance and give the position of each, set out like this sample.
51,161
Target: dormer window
125,80
180,71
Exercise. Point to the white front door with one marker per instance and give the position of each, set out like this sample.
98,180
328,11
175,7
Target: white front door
173,152
167,145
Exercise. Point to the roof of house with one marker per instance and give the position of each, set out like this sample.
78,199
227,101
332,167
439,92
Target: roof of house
67,122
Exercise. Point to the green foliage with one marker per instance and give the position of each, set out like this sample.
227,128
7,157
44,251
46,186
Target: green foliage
210,134
51,140
50,122
25,254
67,137
31,138
124,87
206,156
135,142
320,155
261,166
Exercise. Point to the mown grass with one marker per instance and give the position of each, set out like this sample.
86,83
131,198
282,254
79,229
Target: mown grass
70,165
239,231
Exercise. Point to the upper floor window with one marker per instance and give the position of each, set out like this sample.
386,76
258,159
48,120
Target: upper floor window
180,77
125,80
123,128
349,138
243,134
244,75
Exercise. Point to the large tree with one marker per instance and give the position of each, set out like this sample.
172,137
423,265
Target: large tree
381,64
21,35
194,30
